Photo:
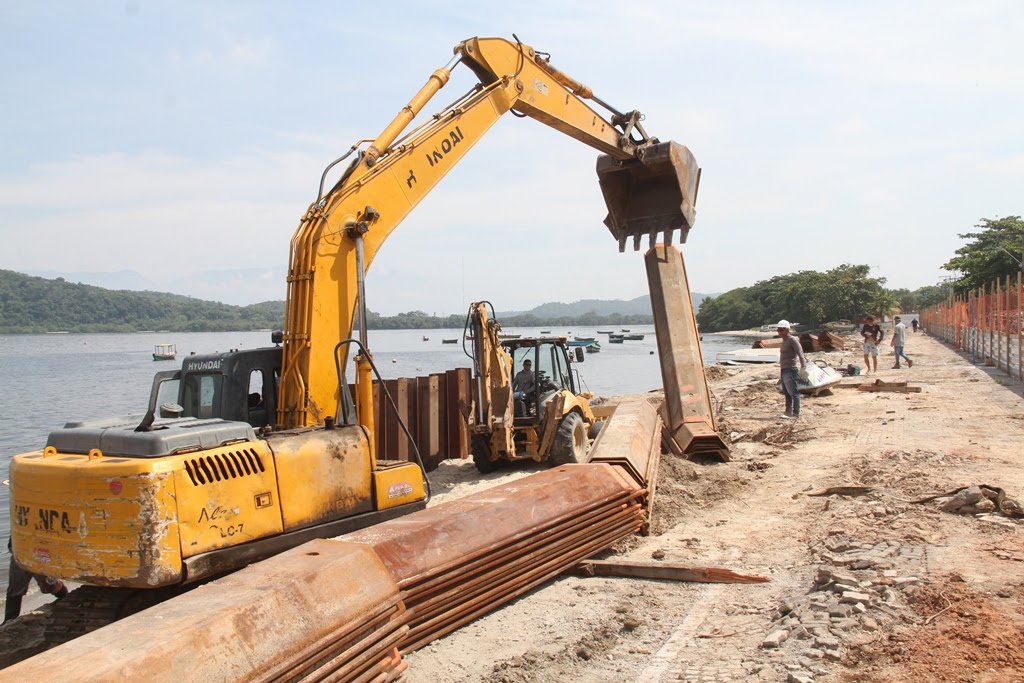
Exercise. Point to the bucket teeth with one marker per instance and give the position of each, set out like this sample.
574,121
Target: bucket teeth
650,195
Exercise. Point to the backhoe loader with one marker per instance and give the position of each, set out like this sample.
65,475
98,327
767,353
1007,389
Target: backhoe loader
548,419
185,493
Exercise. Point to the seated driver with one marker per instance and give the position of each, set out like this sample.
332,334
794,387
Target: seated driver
523,382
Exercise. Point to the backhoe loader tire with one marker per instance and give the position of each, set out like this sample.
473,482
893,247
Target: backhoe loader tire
570,442
481,446
595,429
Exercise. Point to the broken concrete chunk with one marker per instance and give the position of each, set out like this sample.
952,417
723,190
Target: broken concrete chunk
775,638
851,597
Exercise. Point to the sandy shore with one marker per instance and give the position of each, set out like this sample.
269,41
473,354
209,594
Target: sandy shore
863,587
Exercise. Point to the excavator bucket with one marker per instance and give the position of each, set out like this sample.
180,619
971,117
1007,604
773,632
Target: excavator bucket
652,194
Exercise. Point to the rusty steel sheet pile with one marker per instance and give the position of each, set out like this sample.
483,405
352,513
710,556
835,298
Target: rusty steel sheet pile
323,611
345,609
688,412
631,439
462,559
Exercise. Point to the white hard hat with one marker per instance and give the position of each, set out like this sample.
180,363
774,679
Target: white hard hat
783,323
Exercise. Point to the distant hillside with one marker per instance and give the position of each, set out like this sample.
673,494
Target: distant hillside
638,306
33,304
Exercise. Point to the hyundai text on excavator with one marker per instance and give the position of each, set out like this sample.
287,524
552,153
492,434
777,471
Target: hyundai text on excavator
186,493
549,420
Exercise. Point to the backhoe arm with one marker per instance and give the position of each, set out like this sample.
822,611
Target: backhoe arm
495,409
341,232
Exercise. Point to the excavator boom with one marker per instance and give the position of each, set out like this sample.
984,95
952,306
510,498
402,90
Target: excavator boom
341,232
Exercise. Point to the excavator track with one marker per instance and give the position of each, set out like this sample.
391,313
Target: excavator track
81,611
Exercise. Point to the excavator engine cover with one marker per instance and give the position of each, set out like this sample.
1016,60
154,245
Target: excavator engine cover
652,194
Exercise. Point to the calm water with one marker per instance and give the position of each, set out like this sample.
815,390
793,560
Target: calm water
50,379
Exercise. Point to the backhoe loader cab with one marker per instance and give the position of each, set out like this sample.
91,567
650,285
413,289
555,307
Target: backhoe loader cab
552,370
550,421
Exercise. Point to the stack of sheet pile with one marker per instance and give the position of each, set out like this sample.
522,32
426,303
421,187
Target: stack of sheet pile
462,559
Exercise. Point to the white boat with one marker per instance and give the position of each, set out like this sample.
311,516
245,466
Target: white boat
748,356
165,352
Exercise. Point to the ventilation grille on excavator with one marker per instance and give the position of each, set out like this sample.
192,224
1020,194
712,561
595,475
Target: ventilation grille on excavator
208,469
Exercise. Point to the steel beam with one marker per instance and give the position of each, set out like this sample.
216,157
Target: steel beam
688,412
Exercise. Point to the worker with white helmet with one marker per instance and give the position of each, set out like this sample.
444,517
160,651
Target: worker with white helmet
789,353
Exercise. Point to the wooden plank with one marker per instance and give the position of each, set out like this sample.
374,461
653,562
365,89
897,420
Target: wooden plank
896,389
669,571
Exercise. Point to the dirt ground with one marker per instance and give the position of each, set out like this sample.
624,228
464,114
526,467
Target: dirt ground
865,584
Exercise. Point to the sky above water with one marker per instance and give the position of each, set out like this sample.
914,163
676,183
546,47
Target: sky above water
177,140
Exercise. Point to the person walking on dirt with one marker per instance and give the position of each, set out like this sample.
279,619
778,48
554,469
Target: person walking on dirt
899,338
913,323
789,353
873,335
18,579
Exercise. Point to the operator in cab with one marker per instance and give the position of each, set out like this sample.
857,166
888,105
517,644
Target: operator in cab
523,382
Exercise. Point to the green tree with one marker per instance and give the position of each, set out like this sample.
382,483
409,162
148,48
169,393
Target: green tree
808,297
992,253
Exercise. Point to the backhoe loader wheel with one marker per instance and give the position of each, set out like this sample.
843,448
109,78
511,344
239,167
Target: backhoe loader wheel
570,443
481,446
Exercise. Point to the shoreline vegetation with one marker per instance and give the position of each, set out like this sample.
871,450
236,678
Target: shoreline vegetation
35,305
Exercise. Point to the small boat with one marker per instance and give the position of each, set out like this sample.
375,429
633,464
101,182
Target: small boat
616,338
165,352
509,336
450,341
748,356
545,331
593,348
584,339
606,331
426,339
633,337
624,330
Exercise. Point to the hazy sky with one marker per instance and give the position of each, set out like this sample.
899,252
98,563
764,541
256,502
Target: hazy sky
176,138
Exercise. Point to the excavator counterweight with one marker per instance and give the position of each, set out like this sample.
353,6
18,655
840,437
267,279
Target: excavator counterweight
651,194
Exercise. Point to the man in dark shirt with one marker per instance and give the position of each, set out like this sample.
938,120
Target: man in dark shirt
872,335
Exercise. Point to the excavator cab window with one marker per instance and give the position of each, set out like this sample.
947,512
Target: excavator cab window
256,406
201,395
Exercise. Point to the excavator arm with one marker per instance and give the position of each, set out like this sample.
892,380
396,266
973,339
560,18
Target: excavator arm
341,232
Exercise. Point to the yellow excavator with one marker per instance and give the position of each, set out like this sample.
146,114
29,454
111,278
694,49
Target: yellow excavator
545,416
194,489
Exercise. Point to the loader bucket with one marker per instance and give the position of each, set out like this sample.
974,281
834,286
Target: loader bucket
652,194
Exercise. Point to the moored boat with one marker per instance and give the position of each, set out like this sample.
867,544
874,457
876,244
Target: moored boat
748,356
165,352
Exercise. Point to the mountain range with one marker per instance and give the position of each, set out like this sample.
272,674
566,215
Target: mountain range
30,304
